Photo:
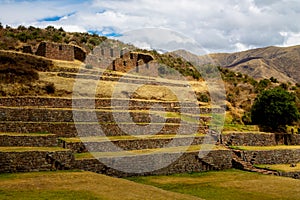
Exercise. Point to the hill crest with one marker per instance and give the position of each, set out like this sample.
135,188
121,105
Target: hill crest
278,62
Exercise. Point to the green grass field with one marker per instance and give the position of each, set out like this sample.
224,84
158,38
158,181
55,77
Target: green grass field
77,185
223,185
281,167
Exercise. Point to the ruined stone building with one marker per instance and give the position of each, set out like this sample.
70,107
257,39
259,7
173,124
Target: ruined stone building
131,61
58,51
122,60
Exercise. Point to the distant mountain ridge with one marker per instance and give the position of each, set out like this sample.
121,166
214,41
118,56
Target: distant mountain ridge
282,63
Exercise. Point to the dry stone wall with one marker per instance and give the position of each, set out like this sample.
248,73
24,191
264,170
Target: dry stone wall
130,144
29,141
100,103
259,139
188,162
60,115
272,156
31,161
91,129
56,51
295,175
248,139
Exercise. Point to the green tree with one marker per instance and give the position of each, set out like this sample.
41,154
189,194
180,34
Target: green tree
274,108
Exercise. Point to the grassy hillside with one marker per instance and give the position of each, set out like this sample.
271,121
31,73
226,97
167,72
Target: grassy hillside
15,39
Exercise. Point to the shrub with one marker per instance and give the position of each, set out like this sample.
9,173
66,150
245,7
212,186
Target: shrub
21,28
89,66
50,28
61,29
273,80
203,97
50,88
56,37
94,41
274,108
247,118
284,86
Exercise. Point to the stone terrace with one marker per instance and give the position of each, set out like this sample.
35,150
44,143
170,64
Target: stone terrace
26,123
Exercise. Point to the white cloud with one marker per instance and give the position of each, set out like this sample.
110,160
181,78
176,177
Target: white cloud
291,39
216,25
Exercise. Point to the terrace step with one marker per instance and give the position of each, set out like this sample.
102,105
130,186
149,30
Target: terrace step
181,159
118,79
87,115
70,129
51,102
28,140
239,163
29,159
124,143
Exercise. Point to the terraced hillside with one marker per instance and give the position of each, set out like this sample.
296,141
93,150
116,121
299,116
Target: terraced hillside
141,120
46,124
120,136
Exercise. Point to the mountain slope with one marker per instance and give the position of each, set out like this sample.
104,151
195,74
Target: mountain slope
280,62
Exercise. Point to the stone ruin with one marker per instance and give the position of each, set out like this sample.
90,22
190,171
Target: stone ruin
58,51
123,60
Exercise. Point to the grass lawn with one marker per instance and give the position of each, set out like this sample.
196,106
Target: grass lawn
179,149
126,137
70,185
223,185
266,148
281,167
228,128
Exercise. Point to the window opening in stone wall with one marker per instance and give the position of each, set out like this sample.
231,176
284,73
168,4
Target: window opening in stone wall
60,47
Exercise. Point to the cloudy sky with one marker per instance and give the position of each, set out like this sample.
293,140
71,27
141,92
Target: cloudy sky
216,25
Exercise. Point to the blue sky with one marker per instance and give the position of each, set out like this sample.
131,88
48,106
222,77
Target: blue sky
217,25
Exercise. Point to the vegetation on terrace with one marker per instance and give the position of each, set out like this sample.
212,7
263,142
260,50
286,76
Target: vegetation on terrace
281,167
266,148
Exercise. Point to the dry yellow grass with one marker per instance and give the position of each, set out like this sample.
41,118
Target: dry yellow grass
269,148
106,88
27,134
102,187
127,137
26,149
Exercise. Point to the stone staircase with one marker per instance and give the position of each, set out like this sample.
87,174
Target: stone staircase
239,163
